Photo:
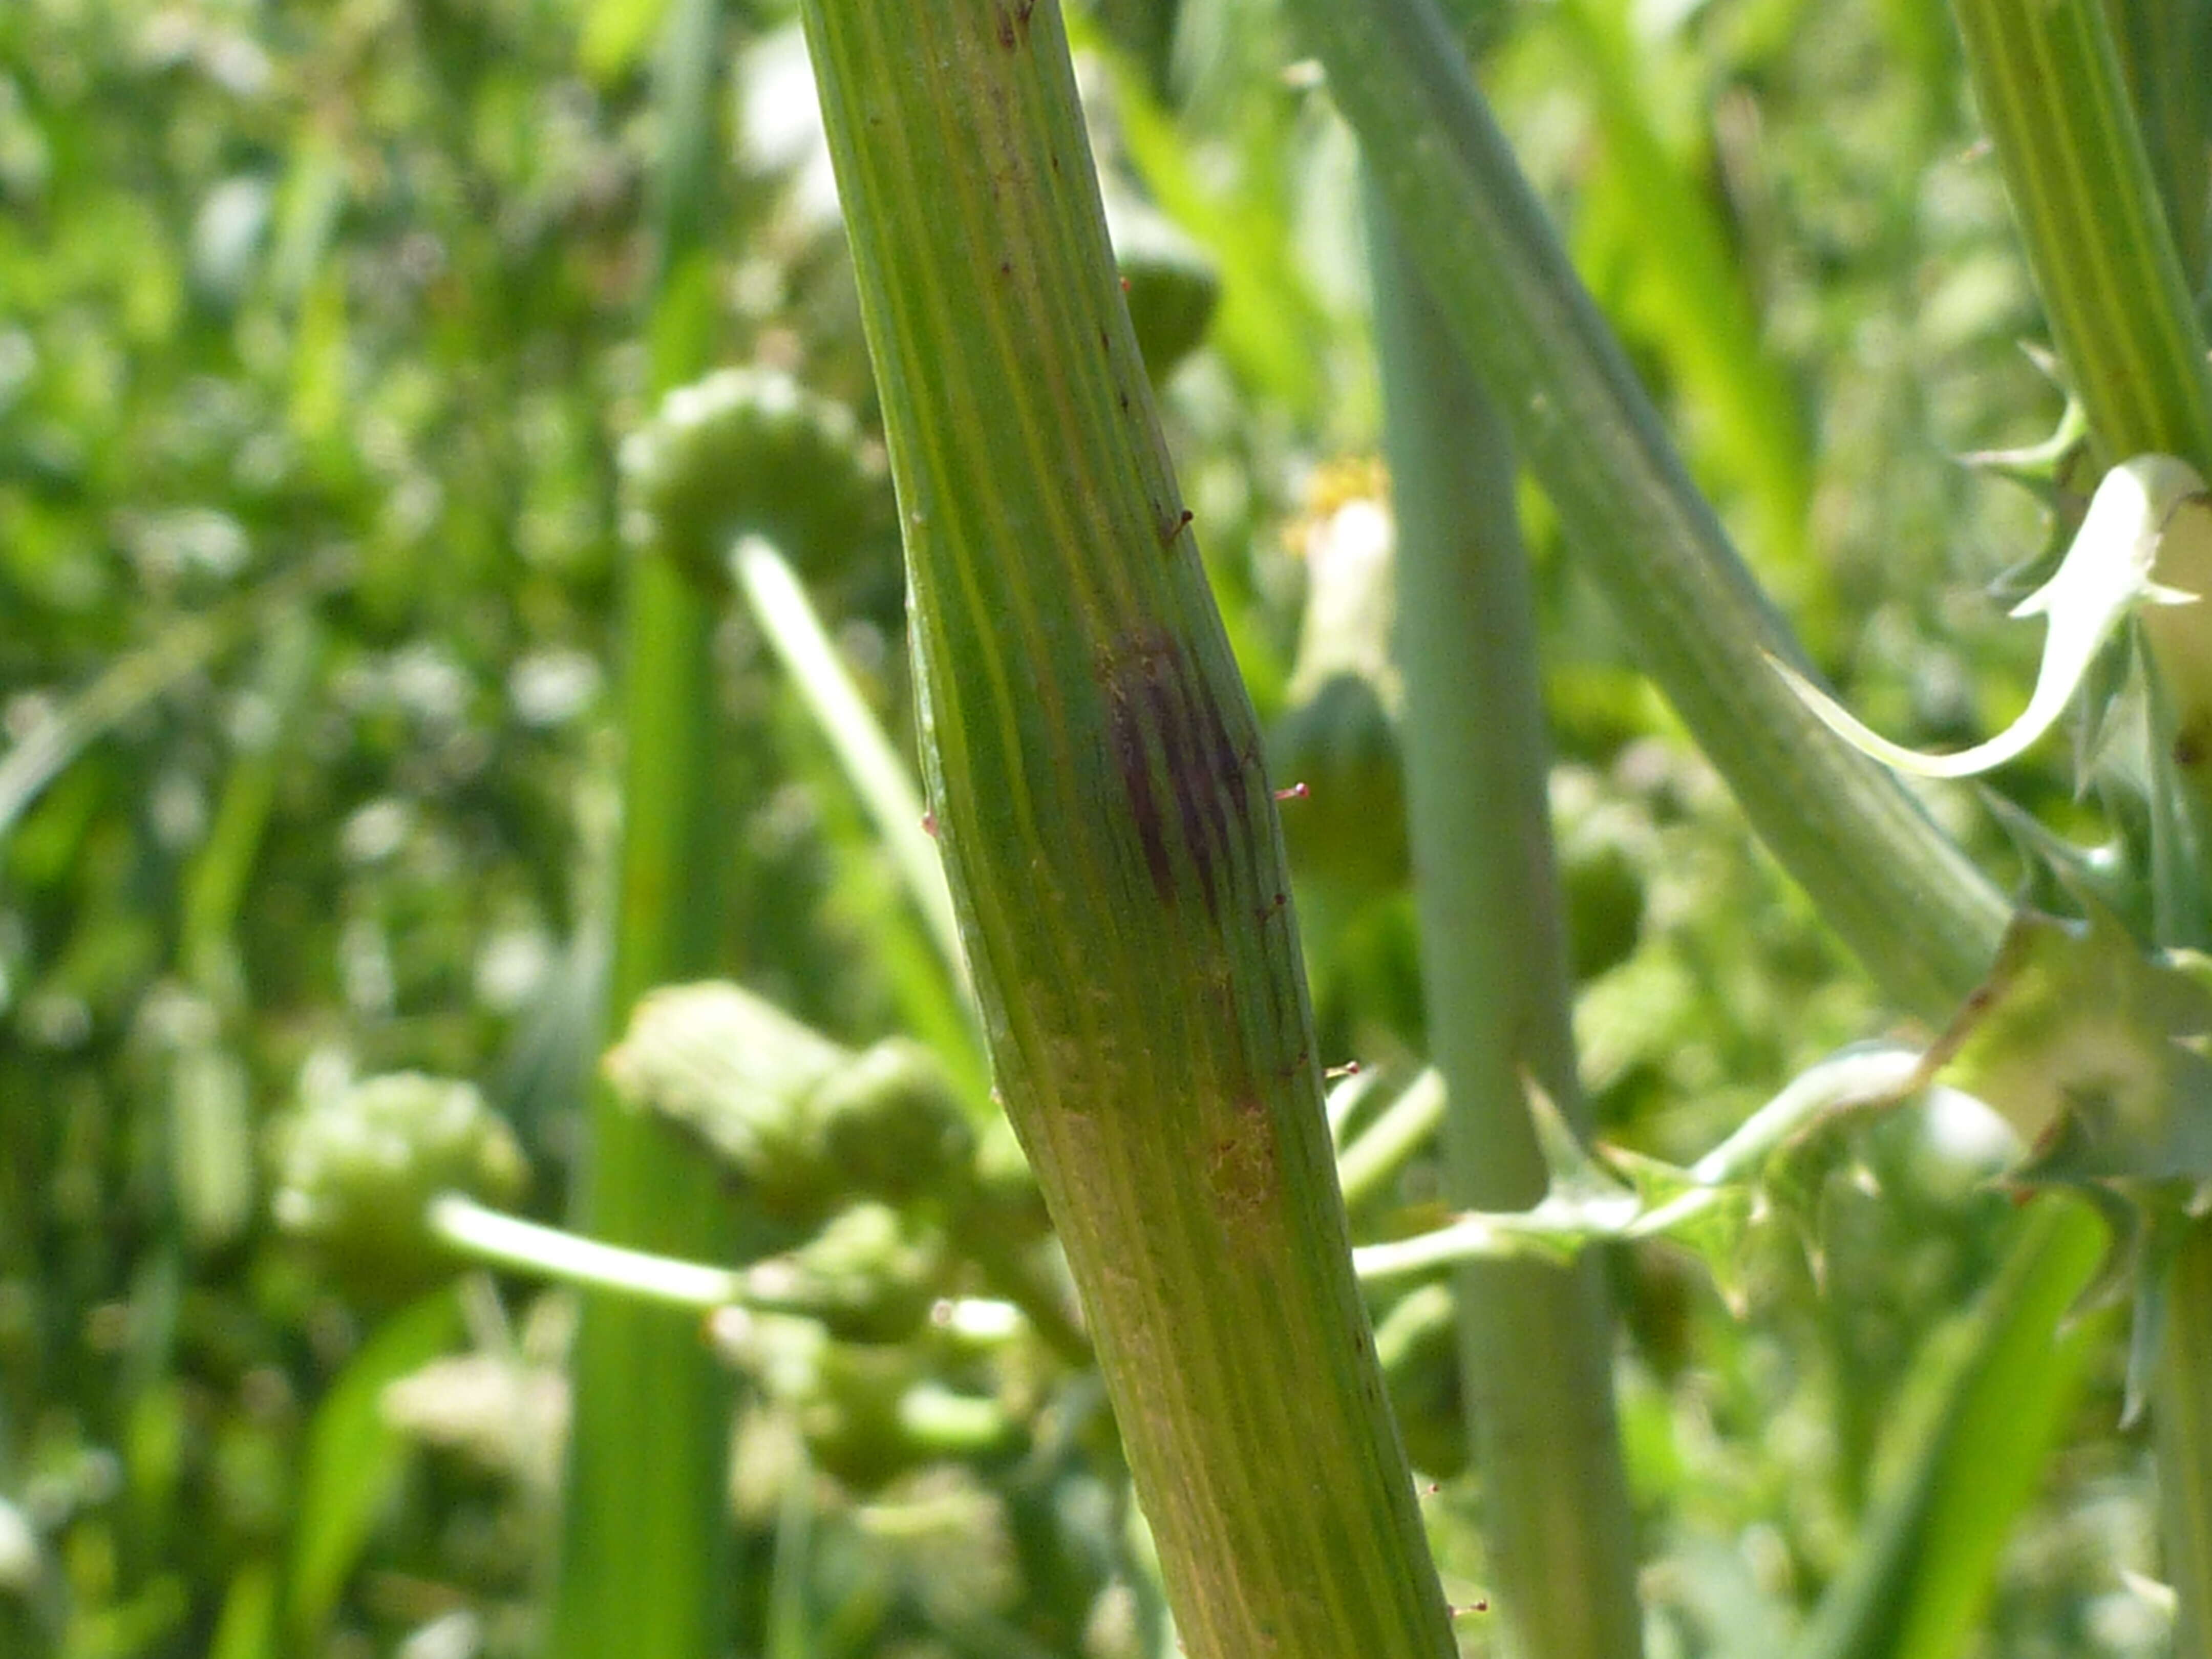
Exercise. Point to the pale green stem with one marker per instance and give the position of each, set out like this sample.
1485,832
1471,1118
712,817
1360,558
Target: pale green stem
779,604
1345,1100
1535,1345
1397,1132
497,1240
1564,1223
494,1239
2047,80
2181,1425
2166,50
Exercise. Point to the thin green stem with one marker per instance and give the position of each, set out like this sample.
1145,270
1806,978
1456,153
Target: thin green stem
2165,52
780,605
1399,1131
2047,79
2181,1422
1565,1222
1535,1348
498,1240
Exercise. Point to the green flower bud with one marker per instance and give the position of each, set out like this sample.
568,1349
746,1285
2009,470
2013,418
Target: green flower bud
356,1169
868,1277
870,1413
1339,735
1604,848
806,1123
749,451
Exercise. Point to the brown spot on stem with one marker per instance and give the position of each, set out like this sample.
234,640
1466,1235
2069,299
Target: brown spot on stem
1124,735
1006,28
2189,747
1170,743
1244,1172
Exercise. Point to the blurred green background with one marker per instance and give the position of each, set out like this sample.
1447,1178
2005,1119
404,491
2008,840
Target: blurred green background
323,324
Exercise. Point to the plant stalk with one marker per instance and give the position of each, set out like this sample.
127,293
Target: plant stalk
2048,83
1535,1349
1114,859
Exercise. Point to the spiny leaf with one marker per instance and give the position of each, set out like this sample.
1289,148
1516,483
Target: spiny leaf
2091,1050
2105,578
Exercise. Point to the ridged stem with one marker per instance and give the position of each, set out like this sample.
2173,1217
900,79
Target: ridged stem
645,1558
1535,1351
2048,83
1115,863
2166,52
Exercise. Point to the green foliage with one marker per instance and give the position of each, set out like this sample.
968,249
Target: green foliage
332,417
806,1123
356,1167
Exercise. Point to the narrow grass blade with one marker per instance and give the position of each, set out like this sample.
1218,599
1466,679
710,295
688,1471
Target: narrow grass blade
645,1562
1924,1571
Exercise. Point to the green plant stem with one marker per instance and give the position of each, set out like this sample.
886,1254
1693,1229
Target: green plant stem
1913,908
2181,1423
498,1240
1535,1351
1399,1131
1872,1075
2165,52
780,605
1114,859
2048,79
644,1563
